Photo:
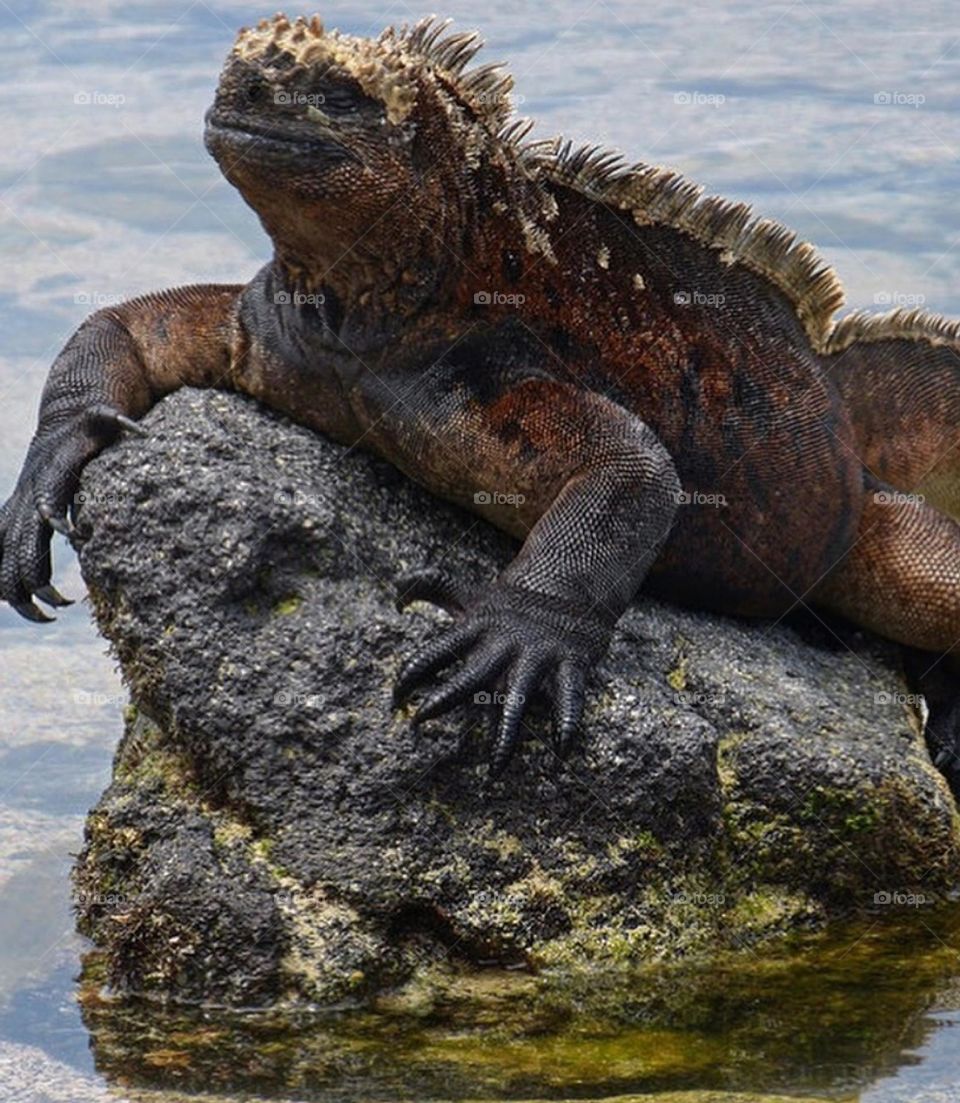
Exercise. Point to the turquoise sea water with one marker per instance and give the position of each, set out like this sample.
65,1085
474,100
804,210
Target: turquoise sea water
839,119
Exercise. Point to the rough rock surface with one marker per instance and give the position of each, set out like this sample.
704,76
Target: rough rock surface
274,830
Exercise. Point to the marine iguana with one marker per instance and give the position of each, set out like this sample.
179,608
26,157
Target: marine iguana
645,385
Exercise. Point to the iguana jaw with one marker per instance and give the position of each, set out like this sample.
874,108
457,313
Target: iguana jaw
234,141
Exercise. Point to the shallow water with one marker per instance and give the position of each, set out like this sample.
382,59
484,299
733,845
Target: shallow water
840,120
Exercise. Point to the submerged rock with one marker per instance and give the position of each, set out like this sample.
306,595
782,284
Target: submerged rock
275,831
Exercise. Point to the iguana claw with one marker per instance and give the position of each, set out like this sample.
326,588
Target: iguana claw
44,501
106,417
31,611
509,641
50,595
61,524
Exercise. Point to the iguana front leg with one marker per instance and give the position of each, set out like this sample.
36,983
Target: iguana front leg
120,362
594,493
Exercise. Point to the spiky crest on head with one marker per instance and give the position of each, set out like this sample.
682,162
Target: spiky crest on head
391,67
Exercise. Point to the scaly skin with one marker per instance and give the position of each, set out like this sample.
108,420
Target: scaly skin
633,380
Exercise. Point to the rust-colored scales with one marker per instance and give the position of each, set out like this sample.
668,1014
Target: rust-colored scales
645,384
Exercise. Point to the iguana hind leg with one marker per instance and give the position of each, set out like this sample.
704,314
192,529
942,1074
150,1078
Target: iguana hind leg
899,375
901,578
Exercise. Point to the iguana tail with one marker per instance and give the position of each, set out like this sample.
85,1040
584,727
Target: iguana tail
899,374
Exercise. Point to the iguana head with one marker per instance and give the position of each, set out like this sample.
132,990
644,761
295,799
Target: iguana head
358,154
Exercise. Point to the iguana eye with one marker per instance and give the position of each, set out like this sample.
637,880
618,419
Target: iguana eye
338,98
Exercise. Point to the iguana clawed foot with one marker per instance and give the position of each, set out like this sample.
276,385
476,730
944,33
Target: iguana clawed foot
509,641
43,502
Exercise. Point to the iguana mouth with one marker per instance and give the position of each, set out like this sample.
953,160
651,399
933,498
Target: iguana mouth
272,139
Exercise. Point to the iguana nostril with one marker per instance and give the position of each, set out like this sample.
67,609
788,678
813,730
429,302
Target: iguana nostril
256,91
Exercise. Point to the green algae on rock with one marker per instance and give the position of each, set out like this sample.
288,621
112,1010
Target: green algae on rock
820,1018
273,832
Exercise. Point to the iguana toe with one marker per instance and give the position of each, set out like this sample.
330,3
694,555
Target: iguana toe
569,694
521,684
37,508
29,610
476,672
106,420
25,561
59,523
50,595
509,641
437,654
